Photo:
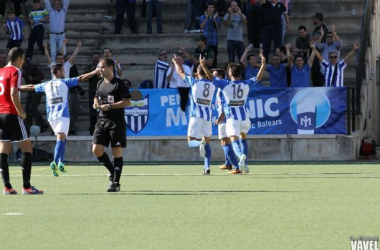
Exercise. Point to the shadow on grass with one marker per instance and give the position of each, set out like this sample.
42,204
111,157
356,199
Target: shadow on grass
179,193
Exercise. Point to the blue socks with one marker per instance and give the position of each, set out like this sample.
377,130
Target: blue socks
244,148
59,151
231,156
225,150
236,147
62,158
194,144
208,156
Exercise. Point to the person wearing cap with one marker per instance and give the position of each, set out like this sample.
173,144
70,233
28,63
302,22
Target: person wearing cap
316,75
210,23
234,20
202,49
161,70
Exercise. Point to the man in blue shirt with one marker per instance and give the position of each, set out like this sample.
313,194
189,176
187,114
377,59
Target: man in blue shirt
250,65
210,23
300,70
277,73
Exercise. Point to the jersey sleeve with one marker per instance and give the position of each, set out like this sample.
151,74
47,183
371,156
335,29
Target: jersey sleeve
71,82
123,91
40,87
219,83
189,80
15,79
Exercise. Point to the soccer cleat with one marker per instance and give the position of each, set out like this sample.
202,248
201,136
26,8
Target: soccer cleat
54,168
9,191
236,171
206,172
246,169
114,187
242,165
61,167
202,148
32,191
111,177
224,167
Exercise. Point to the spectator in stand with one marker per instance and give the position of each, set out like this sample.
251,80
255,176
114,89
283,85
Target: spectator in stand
283,20
199,7
316,75
15,28
74,105
175,81
186,62
17,8
300,70
123,6
33,75
92,86
57,24
281,51
157,4
38,18
272,30
3,59
234,20
201,49
210,23
277,73
190,17
161,70
302,43
333,43
333,70
107,52
253,12
250,65
221,7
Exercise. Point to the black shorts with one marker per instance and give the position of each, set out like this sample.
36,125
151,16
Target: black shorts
12,128
13,43
112,130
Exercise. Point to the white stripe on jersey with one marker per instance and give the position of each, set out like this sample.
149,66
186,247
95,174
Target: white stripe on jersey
328,71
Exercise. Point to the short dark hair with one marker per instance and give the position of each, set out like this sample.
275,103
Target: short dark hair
282,49
235,68
109,62
301,28
11,11
56,67
333,52
59,54
249,56
95,53
15,53
210,3
220,72
201,71
107,48
299,55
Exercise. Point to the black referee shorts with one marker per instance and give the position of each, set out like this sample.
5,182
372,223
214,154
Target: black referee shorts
12,128
112,130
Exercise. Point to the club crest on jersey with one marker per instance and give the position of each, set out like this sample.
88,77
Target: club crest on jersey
137,114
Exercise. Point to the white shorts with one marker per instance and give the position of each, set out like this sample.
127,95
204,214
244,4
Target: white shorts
60,125
222,130
235,127
199,127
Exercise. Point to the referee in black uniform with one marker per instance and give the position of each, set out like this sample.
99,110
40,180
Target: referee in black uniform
111,97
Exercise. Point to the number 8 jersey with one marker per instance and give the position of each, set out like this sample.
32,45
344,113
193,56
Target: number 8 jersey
202,93
235,94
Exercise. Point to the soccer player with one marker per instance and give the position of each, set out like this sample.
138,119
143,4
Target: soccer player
12,128
111,97
202,92
224,139
235,92
57,109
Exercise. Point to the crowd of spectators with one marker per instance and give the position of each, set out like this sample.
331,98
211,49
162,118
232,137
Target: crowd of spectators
315,55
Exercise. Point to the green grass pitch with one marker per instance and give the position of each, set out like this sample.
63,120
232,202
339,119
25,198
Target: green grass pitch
175,207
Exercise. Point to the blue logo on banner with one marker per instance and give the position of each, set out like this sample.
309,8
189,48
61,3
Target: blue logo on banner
311,100
137,114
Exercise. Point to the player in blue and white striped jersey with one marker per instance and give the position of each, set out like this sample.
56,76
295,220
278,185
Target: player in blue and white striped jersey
333,70
221,121
235,92
201,96
57,108
15,28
